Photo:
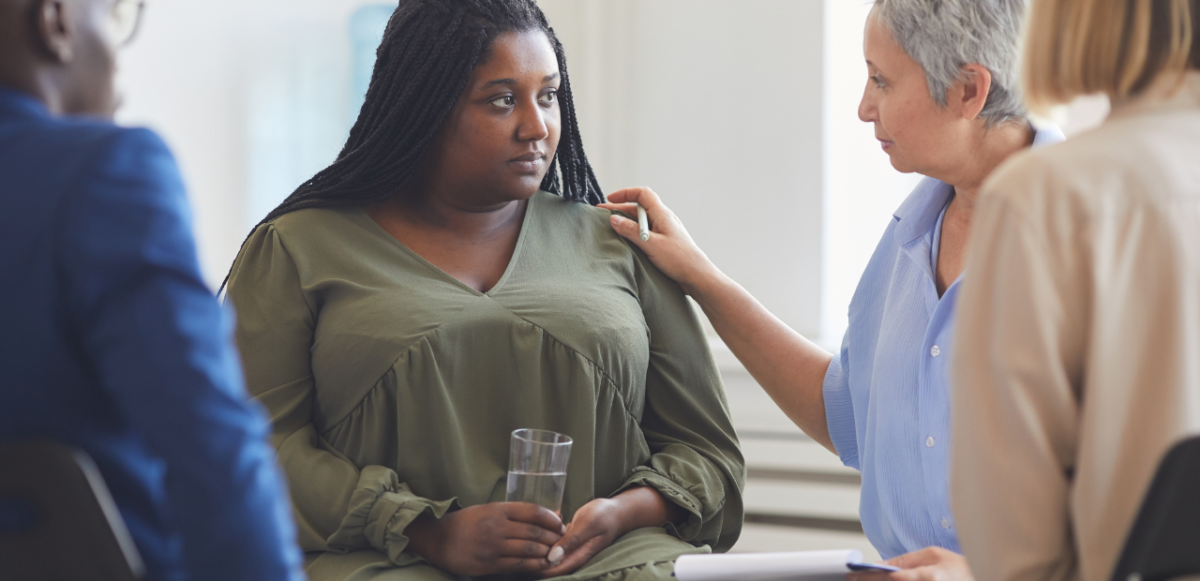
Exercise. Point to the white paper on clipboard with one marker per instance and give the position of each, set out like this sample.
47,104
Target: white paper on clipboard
794,566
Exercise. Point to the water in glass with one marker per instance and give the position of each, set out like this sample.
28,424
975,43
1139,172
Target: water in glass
540,488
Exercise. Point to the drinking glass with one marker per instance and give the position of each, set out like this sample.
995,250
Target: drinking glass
537,467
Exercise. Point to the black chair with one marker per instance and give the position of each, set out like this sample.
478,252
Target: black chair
58,521
1164,542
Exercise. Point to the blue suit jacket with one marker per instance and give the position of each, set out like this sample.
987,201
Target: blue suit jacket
111,342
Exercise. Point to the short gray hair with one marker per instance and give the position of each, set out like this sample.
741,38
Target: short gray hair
945,35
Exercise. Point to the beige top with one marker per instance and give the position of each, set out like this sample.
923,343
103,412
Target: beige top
1078,361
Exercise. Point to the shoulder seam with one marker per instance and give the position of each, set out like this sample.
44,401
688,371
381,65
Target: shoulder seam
273,231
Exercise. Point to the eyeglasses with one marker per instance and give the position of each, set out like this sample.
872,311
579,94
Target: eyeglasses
126,19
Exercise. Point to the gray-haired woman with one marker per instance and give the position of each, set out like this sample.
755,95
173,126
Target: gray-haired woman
943,97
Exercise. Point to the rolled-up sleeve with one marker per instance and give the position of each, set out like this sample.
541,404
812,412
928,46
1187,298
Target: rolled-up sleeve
696,462
839,408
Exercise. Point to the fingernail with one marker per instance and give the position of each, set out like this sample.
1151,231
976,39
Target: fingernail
614,219
555,556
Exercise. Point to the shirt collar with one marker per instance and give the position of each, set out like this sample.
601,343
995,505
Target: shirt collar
16,103
919,212
1047,134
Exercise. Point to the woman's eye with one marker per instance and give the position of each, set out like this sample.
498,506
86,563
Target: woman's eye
550,97
878,81
505,101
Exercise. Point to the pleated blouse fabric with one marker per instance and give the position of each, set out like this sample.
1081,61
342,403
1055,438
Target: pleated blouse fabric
394,387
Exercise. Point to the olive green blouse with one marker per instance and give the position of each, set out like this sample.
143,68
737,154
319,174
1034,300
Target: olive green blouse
393,387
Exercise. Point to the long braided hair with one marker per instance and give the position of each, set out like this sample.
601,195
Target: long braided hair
429,49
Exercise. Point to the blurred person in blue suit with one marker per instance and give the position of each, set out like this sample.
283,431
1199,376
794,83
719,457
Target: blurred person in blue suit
109,339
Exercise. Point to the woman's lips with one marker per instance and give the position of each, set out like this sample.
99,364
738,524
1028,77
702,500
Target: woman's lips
886,144
529,163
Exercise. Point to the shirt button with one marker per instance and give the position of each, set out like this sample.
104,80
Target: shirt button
935,351
946,523
929,442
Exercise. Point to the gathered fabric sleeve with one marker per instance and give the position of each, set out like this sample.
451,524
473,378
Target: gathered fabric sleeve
696,461
1018,362
338,506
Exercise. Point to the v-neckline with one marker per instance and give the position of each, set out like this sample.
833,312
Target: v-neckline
512,261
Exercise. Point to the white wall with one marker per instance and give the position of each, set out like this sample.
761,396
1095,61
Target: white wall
251,96
861,187
716,104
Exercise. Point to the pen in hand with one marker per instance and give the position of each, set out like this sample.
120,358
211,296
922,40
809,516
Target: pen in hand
643,224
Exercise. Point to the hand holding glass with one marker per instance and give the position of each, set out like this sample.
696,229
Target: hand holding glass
537,468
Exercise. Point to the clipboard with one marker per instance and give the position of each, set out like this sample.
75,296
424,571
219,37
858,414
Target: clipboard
791,566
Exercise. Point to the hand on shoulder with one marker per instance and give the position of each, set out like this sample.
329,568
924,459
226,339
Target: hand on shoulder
669,246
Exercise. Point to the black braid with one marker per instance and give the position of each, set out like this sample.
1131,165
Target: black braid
429,49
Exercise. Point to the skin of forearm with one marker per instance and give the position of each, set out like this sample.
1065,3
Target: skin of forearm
643,507
423,536
789,367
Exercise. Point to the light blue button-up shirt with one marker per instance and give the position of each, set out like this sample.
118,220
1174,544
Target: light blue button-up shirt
887,400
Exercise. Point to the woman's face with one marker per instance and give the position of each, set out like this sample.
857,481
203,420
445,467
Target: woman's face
498,141
918,134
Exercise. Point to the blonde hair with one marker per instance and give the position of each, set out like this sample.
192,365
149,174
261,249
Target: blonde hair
1116,47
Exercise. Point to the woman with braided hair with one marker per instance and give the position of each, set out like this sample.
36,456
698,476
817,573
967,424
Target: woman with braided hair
446,281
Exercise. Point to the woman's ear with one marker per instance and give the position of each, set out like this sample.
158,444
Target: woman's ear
55,31
976,85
